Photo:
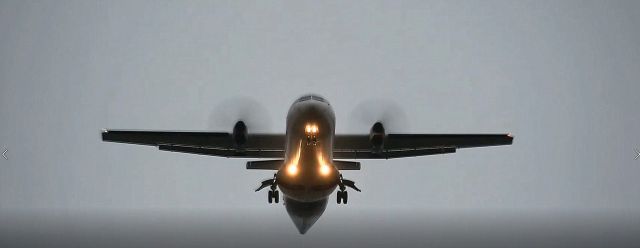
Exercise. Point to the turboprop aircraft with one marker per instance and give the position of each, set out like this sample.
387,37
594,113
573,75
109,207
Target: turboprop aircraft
308,158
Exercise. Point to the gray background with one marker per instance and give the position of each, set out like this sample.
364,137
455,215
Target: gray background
563,76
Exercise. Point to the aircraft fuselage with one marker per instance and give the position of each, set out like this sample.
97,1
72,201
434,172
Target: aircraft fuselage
308,174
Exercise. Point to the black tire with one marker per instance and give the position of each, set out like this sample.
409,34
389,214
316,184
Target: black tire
270,196
339,197
345,197
276,196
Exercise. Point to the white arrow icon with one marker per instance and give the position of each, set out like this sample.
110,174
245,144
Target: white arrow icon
4,154
637,154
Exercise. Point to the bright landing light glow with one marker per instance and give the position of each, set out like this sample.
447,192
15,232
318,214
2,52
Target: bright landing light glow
311,129
292,169
324,169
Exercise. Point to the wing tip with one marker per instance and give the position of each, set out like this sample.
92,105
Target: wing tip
510,137
103,134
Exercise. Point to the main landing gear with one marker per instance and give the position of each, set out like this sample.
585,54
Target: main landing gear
273,195
342,196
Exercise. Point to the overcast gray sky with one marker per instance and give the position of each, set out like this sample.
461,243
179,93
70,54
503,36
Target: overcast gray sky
562,76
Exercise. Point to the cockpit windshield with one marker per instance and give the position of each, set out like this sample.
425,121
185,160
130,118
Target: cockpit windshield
311,97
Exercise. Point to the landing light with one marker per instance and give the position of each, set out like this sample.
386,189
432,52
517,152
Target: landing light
324,167
325,170
292,170
311,129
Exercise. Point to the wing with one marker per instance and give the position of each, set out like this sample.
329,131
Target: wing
204,143
411,145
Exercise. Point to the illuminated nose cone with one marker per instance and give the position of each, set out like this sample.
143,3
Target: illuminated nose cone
304,214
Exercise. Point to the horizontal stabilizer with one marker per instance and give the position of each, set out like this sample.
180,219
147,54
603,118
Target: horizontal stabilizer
265,164
346,165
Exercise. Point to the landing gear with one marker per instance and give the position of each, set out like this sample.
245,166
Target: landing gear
273,195
342,197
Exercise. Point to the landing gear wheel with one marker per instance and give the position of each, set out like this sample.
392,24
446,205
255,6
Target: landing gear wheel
342,197
273,195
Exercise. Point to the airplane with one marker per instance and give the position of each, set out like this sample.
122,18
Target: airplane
309,156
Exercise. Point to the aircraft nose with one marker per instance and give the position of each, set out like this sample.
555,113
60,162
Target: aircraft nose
304,214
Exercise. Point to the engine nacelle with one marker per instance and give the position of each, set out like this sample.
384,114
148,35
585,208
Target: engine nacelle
376,137
239,135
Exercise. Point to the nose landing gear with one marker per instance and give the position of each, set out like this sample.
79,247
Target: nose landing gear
342,196
273,195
